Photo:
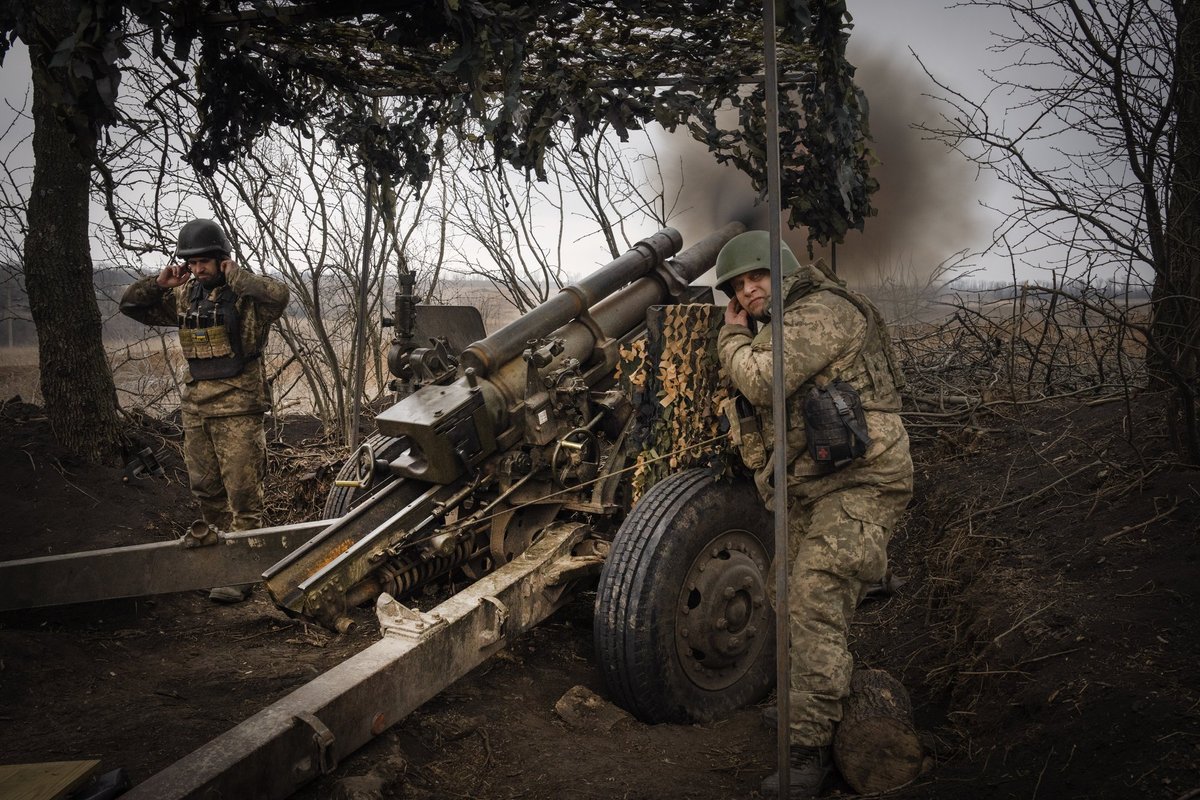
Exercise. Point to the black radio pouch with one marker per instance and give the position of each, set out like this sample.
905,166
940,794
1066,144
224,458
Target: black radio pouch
835,425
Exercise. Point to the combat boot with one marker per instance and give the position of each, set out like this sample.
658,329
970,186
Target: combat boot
809,769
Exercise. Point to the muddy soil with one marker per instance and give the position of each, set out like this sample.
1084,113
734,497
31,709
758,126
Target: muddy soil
1048,633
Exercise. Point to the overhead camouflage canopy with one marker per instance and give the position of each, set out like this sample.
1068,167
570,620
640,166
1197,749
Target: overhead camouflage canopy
511,78
514,77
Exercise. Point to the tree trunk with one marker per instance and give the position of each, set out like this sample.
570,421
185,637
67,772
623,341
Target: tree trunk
77,386
876,747
1175,363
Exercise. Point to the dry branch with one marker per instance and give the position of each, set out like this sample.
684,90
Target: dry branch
1138,526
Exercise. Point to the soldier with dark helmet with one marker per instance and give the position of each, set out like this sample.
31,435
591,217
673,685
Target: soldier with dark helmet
850,476
223,313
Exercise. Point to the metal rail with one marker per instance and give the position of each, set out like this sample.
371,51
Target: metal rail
146,569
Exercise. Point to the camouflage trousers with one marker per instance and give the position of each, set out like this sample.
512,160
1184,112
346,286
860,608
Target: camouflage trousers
837,543
226,462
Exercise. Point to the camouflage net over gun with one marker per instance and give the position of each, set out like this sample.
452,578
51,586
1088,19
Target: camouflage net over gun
677,385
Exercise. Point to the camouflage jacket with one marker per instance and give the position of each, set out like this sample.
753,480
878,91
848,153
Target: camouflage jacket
826,333
261,301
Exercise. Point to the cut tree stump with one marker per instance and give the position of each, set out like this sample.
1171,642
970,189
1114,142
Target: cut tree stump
876,747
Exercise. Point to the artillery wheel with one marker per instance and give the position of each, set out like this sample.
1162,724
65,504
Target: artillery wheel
343,498
683,628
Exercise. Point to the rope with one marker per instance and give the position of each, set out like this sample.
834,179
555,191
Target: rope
471,521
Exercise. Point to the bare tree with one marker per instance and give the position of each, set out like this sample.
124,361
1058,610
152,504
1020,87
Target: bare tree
617,184
78,393
501,239
1099,139
513,233
14,192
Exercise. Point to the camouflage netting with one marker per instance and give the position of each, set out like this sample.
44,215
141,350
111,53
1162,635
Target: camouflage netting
677,385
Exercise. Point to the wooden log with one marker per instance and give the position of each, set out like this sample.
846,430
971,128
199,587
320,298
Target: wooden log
876,747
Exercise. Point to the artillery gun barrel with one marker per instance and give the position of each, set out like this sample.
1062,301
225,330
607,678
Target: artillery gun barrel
454,426
492,352
626,309
614,316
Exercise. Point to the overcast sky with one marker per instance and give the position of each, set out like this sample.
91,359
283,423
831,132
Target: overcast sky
952,42
929,200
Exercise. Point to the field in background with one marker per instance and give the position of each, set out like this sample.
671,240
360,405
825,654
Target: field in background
147,365
959,348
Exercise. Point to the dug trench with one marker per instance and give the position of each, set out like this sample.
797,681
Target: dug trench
1047,631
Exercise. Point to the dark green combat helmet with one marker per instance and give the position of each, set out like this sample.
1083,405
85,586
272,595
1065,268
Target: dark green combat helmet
747,252
200,237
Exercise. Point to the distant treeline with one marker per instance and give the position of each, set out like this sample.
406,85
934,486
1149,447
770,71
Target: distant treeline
17,330
897,302
991,291
16,324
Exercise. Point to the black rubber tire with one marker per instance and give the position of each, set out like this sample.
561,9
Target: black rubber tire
343,498
683,524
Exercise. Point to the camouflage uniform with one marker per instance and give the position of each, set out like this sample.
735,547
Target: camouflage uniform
839,523
225,444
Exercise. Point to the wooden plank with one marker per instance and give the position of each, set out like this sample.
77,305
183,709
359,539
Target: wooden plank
302,735
50,780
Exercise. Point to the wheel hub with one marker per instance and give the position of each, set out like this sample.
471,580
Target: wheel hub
722,618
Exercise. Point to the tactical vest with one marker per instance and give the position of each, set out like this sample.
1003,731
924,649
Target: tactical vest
873,375
874,371
210,333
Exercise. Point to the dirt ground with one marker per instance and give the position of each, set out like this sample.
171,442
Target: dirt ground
1048,632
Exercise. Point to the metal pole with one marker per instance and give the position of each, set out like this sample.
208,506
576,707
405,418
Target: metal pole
778,401
360,343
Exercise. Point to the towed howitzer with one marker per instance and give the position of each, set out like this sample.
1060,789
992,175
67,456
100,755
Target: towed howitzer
466,469
527,430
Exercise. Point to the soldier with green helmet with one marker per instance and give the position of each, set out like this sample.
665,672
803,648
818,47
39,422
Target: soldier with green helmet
849,471
223,313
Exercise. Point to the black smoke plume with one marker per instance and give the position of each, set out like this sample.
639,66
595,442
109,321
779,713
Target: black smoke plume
926,201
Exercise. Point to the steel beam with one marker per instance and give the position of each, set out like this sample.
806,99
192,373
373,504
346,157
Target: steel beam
306,733
146,569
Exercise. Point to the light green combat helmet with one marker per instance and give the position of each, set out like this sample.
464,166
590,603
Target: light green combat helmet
747,252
